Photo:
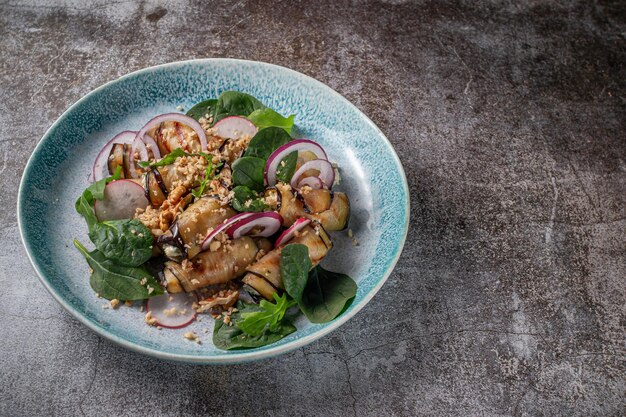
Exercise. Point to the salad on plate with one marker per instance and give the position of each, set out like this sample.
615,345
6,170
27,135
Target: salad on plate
221,212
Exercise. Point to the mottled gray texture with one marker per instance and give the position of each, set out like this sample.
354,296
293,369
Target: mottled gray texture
510,120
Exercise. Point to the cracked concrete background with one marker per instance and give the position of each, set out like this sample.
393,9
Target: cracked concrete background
510,121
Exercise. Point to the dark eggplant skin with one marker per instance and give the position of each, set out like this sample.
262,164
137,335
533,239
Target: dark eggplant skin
172,245
117,157
154,188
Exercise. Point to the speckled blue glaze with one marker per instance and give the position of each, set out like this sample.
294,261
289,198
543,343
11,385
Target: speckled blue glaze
58,171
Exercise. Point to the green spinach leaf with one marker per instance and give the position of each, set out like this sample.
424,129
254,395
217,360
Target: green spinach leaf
326,294
256,322
235,103
203,108
127,242
232,337
245,199
267,141
287,167
267,117
113,281
294,269
248,171
84,203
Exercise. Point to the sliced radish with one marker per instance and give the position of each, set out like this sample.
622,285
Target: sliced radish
100,168
281,153
314,182
172,310
174,117
269,221
207,240
121,199
325,168
234,127
288,234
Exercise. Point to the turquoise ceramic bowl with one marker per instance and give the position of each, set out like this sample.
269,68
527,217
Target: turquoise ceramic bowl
58,171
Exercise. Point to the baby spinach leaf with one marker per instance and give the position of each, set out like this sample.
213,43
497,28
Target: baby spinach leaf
84,203
232,337
248,171
287,167
235,103
127,242
294,269
267,117
267,141
245,199
111,280
326,294
203,108
254,323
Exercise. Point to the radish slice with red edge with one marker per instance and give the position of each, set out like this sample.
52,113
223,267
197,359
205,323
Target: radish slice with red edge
313,182
299,145
325,168
172,311
100,168
175,117
288,234
207,241
138,147
121,199
269,221
234,127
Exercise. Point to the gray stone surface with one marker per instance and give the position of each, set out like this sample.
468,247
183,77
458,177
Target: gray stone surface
510,120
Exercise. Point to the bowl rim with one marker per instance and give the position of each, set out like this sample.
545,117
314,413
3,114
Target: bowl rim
233,356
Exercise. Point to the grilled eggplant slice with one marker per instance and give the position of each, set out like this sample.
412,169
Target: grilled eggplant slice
268,267
172,135
292,208
117,158
156,192
210,268
193,224
317,201
336,217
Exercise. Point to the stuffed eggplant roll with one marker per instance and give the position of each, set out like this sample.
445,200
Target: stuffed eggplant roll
227,262
331,210
264,275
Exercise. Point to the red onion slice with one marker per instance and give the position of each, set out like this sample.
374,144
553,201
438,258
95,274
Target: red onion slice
234,127
151,145
270,222
172,311
140,147
288,234
281,153
209,238
326,172
100,168
314,182
175,117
